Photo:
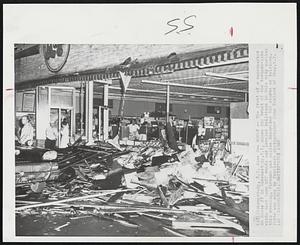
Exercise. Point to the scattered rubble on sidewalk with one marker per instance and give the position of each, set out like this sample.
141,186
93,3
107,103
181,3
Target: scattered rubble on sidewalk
146,180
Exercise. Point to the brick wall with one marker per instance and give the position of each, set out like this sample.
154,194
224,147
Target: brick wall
86,57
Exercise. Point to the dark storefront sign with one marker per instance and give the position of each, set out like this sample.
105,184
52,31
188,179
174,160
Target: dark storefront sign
55,56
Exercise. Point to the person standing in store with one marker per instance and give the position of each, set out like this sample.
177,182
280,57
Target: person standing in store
200,136
65,138
143,131
142,119
133,130
51,136
26,132
203,153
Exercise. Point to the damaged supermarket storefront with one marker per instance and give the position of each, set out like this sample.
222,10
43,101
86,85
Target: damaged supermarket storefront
143,136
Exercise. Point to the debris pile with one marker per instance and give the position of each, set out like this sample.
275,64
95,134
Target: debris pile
147,180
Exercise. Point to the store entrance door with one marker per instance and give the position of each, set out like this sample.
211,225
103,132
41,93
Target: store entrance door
61,116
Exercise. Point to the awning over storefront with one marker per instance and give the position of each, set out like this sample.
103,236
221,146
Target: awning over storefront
216,75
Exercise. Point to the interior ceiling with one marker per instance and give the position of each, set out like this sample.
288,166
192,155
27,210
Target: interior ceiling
138,89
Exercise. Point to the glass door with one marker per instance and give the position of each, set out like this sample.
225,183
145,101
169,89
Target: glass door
62,117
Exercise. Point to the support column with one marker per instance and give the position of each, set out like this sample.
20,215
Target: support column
81,96
105,112
89,111
168,103
99,122
125,80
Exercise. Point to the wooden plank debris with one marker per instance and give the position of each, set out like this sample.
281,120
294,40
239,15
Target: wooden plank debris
178,203
103,193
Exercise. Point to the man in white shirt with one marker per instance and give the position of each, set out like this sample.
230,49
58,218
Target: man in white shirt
133,130
200,135
51,136
26,135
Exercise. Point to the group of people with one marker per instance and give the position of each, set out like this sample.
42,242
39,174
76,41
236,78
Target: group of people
25,134
52,135
137,132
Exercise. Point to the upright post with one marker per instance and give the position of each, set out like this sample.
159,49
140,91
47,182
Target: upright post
168,103
105,112
89,111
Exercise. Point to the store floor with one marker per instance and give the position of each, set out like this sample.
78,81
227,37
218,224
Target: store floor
60,225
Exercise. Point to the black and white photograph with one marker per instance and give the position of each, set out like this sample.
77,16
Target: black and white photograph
149,122
131,140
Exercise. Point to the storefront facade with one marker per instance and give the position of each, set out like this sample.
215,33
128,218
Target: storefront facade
84,83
